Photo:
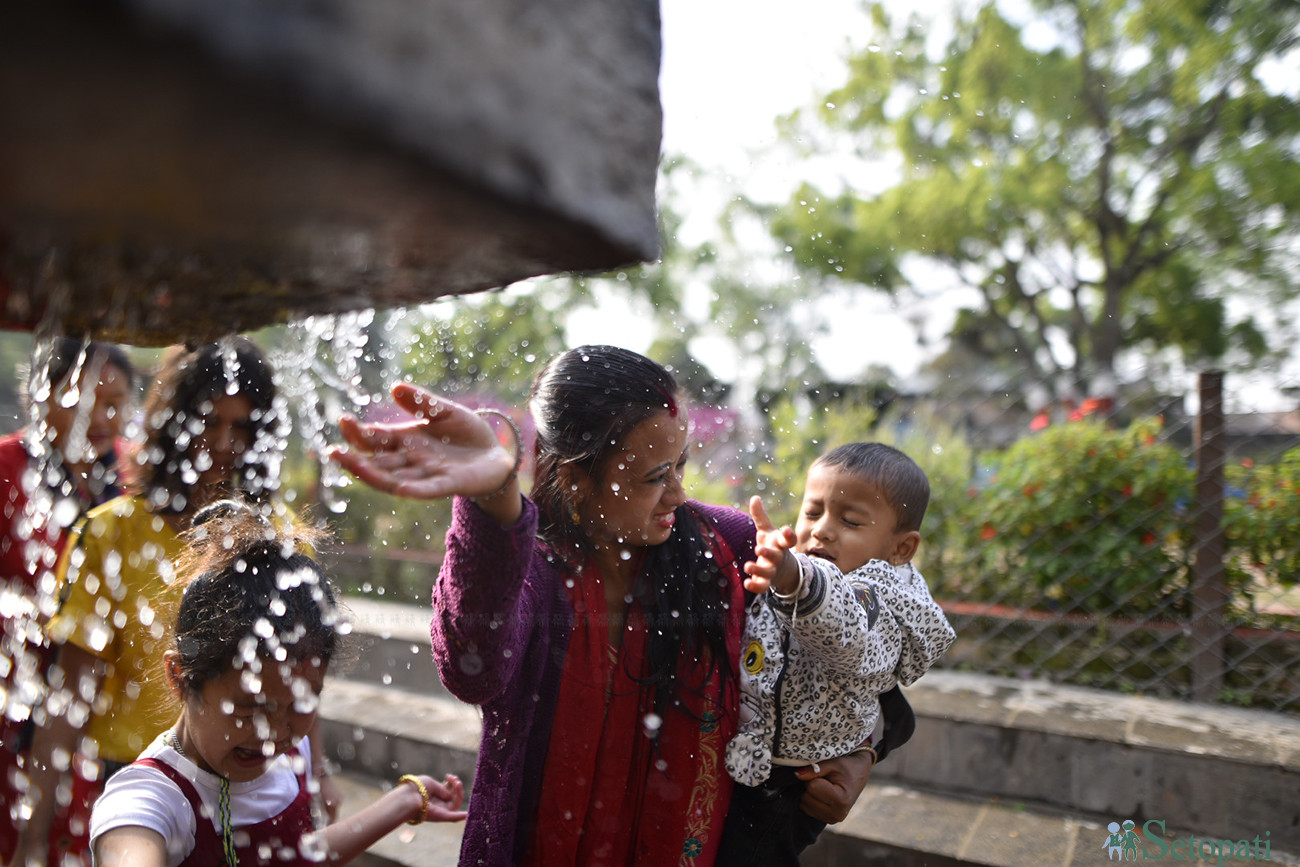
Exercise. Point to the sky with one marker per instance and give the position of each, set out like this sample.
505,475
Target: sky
729,70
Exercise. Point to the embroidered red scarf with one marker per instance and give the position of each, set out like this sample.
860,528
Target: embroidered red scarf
613,794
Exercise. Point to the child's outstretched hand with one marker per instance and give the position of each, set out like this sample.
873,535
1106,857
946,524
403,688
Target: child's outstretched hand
774,566
424,800
445,799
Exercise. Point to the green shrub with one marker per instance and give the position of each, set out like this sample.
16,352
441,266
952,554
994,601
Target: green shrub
1083,518
1261,519
799,437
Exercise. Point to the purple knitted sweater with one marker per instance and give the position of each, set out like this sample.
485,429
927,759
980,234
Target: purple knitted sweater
501,625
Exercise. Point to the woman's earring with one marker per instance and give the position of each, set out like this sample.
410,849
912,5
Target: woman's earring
574,517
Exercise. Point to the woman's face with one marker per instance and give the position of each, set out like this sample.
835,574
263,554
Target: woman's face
632,500
227,433
239,722
86,416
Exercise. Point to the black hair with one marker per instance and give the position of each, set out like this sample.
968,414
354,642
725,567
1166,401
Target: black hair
66,354
903,483
189,378
252,591
584,403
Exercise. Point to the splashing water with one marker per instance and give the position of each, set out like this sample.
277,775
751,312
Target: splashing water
323,386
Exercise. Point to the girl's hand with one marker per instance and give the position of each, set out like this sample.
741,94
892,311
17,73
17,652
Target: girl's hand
330,796
774,566
445,799
447,450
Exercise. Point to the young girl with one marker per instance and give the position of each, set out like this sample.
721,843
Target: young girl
228,783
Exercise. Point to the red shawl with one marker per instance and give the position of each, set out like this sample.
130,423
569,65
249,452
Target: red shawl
612,792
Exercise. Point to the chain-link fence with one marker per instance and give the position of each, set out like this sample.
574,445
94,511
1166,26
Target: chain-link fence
1150,552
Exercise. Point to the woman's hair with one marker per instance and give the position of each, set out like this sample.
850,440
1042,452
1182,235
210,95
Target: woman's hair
252,592
188,380
584,403
66,354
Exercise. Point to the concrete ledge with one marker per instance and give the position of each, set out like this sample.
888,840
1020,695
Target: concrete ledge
1106,755
383,733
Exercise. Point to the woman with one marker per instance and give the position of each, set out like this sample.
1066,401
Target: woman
51,472
213,428
596,624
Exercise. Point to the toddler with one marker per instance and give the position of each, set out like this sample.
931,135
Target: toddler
834,624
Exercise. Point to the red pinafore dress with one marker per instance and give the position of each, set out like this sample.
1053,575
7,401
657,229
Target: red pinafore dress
273,841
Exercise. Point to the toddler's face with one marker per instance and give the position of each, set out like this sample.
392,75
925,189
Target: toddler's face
846,520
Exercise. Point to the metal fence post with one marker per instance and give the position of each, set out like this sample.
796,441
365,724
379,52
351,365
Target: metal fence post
1209,589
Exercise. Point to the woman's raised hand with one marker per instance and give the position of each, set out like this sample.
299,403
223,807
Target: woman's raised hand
446,450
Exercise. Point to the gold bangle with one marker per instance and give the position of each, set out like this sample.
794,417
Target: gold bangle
424,797
519,454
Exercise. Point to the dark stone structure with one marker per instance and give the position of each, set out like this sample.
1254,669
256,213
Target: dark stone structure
174,169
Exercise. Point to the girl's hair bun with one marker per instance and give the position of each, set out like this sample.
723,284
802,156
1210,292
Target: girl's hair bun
221,510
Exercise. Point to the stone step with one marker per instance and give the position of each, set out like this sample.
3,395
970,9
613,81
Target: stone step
390,646
1228,772
382,732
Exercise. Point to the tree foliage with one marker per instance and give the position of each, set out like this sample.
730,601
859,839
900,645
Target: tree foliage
1109,175
495,343
712,288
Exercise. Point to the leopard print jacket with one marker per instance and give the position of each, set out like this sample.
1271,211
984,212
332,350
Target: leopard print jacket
812,668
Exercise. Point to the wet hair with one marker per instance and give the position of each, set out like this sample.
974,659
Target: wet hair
252,592
66,354
584,403
902,483
188,379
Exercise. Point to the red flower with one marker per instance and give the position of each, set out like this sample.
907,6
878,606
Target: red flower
988,532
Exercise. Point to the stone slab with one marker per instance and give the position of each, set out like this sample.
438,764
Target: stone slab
183,169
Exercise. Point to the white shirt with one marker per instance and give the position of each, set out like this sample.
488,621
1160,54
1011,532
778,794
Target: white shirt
143,797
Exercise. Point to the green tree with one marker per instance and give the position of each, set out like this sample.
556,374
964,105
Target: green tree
1109,175
492,344
712,286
